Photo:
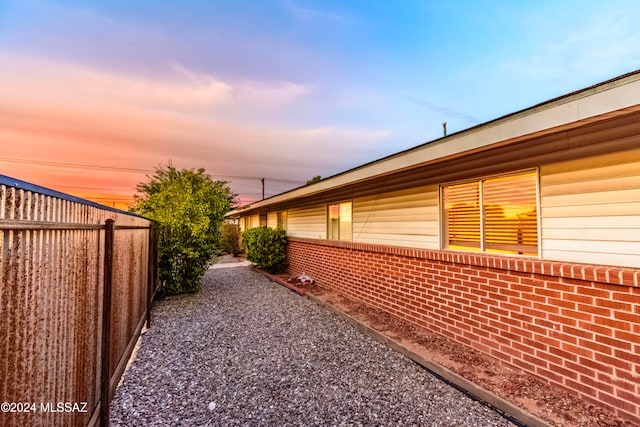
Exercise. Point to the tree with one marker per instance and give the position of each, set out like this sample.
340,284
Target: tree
314,180
189,206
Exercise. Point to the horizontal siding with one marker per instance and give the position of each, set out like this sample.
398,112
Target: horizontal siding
307,222
252,221
272,219
400,218
590,210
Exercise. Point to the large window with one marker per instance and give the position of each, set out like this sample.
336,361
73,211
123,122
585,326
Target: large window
339,221
493,215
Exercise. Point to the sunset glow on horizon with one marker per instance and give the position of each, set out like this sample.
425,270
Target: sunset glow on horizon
95,95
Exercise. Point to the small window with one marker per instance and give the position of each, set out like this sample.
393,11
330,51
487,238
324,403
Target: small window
339,221
493,215
263,219
282,219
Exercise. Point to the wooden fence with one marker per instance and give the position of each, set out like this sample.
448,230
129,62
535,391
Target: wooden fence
76,284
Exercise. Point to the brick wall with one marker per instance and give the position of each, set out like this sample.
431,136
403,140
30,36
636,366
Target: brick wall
572,324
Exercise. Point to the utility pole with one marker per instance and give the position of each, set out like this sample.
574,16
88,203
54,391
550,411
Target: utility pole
262,180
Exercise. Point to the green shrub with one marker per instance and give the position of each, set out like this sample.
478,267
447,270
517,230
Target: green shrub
189,207
230,238
266,247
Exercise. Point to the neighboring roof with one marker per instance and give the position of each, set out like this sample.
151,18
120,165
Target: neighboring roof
593,103
27,186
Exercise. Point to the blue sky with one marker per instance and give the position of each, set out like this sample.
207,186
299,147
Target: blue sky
281,89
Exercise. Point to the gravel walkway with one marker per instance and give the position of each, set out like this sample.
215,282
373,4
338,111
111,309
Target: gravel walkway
246,351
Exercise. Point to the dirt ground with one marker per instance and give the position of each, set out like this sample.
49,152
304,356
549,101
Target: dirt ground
546,401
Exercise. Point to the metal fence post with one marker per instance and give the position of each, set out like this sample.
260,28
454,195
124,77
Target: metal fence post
105,374
152,273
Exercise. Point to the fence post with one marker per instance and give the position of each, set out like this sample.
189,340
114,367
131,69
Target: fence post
152,273
105,374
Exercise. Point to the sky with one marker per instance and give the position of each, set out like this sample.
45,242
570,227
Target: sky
94,95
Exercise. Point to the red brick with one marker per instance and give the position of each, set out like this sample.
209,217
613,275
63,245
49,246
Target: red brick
593,292
625,355
524,365
630,397
628,376
530,283
580,368
577,315
627,317
546,307
615,362
508,349
577,350
565,355
538,314
562,320
595,365
599,311
618,384
612,324
577,332
523,333
598,385
511,321
567,286
547,292
617,402
615,305
584,299
611,342
549,341
601,348
632,298
580,387
545,373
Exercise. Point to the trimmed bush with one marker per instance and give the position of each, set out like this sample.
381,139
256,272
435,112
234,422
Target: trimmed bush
266,247
230,238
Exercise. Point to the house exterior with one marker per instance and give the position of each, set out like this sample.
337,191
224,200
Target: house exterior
519,237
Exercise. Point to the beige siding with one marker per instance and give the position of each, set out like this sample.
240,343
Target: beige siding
307,222
252,221
400,218
590,210
272,219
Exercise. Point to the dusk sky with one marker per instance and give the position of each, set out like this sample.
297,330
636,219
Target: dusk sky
95,94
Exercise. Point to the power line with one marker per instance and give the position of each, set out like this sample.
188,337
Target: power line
70,165
133,170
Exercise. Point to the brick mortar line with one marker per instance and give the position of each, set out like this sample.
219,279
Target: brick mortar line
586,272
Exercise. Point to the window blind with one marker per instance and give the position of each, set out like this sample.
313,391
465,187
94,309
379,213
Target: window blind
494,215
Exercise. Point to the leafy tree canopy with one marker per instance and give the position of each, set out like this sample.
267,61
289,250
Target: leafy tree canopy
189,206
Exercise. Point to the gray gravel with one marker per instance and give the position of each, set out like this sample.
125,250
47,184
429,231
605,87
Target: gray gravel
246,351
